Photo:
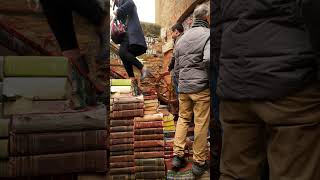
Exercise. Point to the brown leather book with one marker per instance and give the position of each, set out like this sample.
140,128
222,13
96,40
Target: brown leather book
54,143
148,155
129,106
127,100
151,97
119,135
150,175
122,147
121,129
149,168
121,153
148,131
149,143
91,177
153,124
151,117
127,113
122,177
125,158
150,162
149,137
148,149
119,171
115,123
53,164
121,164
121,141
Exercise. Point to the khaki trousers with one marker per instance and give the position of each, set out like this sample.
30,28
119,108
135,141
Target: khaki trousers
197,104
285,132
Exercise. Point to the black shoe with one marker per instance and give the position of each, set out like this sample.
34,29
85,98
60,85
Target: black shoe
199,170
178,162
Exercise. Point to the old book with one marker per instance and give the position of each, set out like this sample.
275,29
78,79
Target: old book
127,113
121,141
121,89
151,97
149,143
150,174
91,177
121,129
150,112
52,164
151,108
120,82
39,123
147,149
148,155
4,146
168,123
4,128
150,162
151,101
124,158
54,143
148,131
122,147
129,106
36,88
122,177
35,66
119,171
121,164
149,168
151,105
115,123
4,169
121,153
169,128
153,124
120,135
152,117
127,100
148,137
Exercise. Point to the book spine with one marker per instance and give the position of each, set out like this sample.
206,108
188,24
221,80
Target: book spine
150,143
121,129
119,171
122,177
122,147
121,141
148,131
121,153
142,125
127,113
119,135
115,123
120,107
149,168
125,158
148,149
149,137
147,155
151,174
121,164
149,162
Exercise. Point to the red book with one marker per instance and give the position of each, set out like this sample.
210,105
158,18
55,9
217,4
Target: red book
150,143
142,125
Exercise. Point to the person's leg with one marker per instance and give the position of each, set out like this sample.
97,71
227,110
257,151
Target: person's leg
185,116
294,146
244,142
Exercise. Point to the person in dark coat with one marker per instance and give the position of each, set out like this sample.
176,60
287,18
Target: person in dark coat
133,43
269,88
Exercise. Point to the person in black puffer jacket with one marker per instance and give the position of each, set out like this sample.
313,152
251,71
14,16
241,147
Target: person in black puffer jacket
267,54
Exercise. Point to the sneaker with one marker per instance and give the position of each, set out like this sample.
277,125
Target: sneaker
179,162
199,170
145,73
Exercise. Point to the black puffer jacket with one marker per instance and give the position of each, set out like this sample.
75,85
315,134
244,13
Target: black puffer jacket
262,48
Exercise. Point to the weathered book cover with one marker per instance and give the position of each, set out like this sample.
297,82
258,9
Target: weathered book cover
150,162
127,113
54,143
4,146
148,131
151,108
120,82
36,88
121,129
119,135
150,174
149,168
4,128
127,100
129,106
35,66
151,117
122,177
39,123
52,164
142,125
121,141
149,143
121,153
119,171
121,147
147,155
151,97
125,158
115,123
149,137
121,164
150,112
148,149
151,101
169,128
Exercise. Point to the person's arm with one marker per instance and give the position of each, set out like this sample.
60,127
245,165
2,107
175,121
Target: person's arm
125,8
176,67
171,65
206,55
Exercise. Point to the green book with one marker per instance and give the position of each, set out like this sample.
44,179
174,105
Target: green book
120,82
4,169
4,128
36,88
35,66
3,148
